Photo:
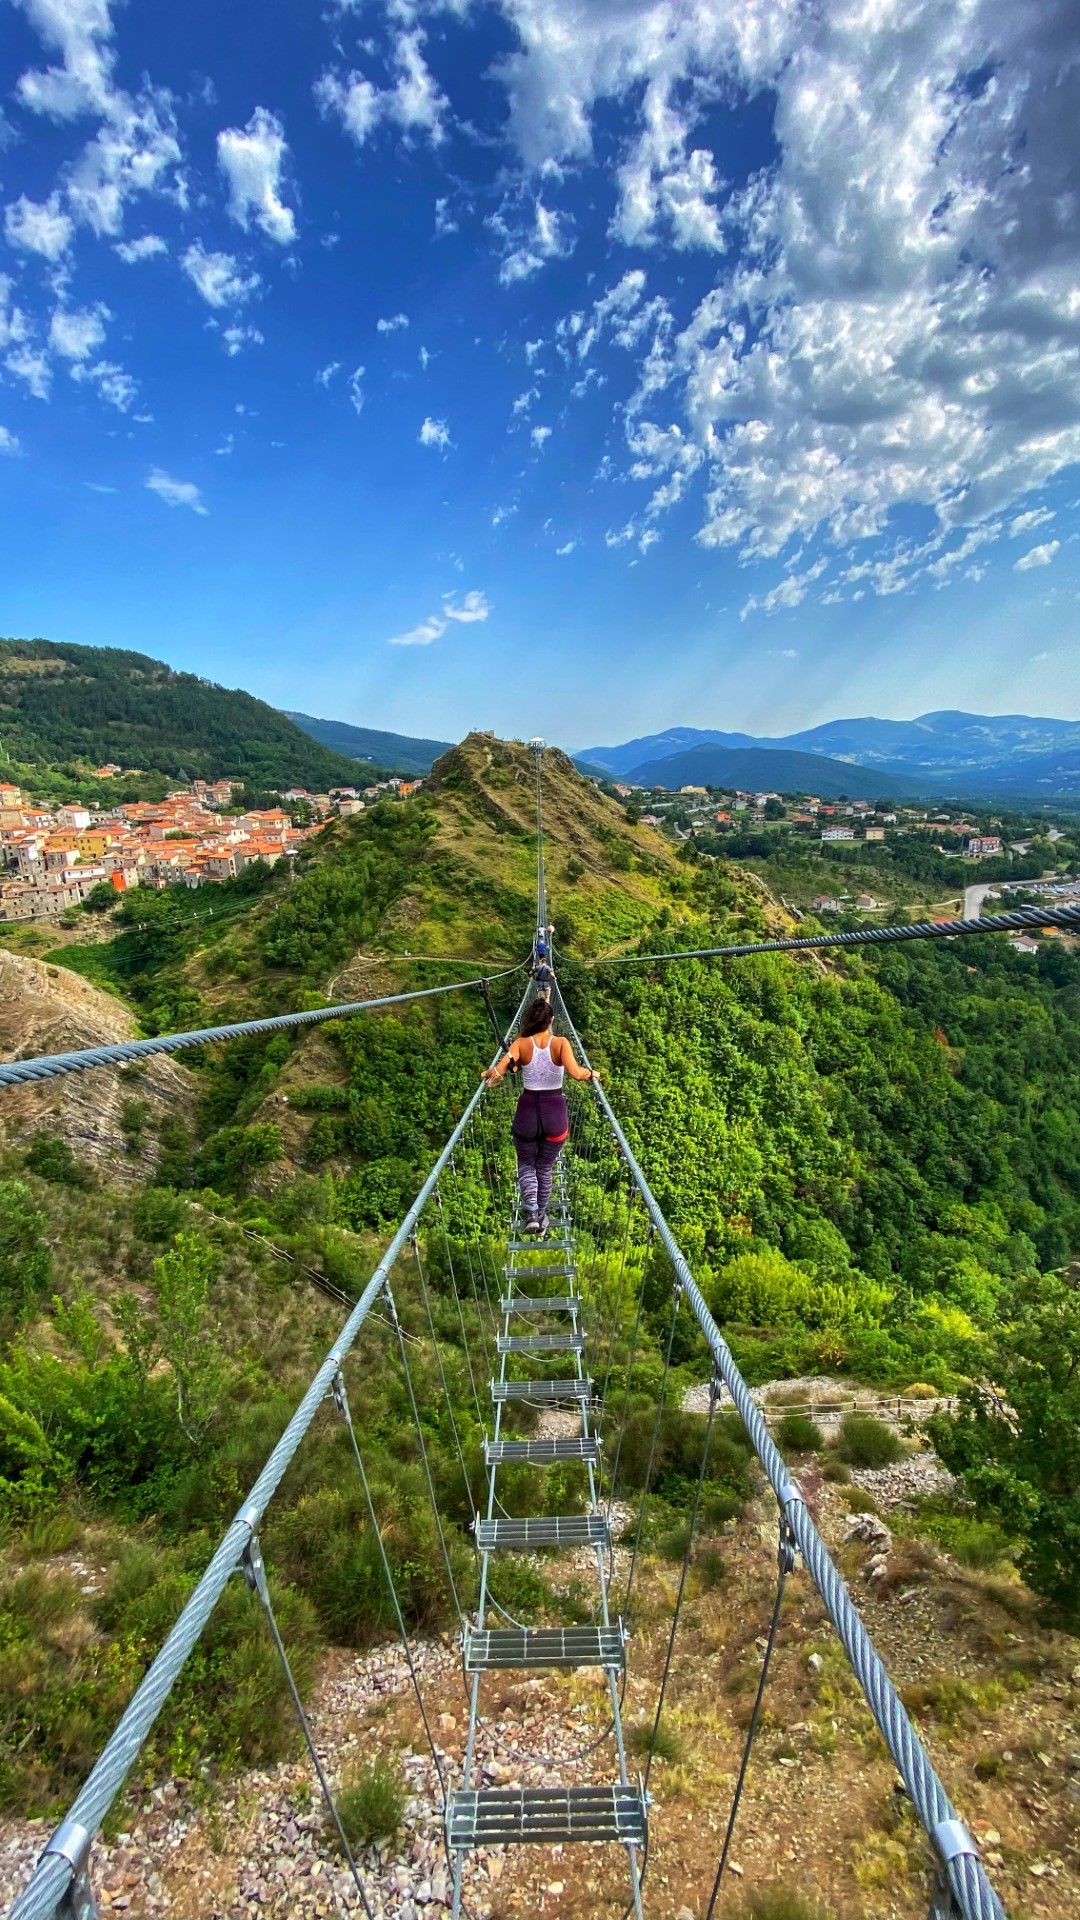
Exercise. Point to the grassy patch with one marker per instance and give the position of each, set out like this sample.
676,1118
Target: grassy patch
371,1805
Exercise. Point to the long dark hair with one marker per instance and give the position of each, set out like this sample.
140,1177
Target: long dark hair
537,1018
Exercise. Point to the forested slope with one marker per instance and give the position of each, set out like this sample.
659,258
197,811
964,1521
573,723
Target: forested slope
60,703
870,1164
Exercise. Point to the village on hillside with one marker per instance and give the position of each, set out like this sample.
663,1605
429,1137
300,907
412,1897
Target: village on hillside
54,856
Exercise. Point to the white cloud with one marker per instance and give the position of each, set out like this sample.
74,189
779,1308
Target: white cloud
175,493
502,513
9,442
444,219
132,251
425,358
474,606
422,636
234,339
76,335
414,102
569,547
434,433
790,592
789,653
111,381
539,435
893,322
356,391
218,277
1038,557
30,365
1027,522
38,226
393,325
529,249
252,159
98,486
326,374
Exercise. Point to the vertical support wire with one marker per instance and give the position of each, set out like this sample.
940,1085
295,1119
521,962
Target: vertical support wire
785,1563
254,1571
442,1375
424,1458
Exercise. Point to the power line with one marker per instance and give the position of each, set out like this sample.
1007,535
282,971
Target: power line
1015,922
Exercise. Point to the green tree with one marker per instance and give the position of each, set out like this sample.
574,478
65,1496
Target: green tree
1016,1443
181,1331
25,1261
233,1154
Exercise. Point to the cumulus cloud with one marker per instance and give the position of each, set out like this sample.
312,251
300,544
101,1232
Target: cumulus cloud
252,159
175,493
9,442
135,149
434,433
38,226
76,335
430,629
414,102
528,248
113,384
539,435
790,592
893,320
394,325
132,251
1027,522
235,339
218,277
568,547
356,389
326,374
1037,557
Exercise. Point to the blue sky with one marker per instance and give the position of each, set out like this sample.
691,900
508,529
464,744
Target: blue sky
554,365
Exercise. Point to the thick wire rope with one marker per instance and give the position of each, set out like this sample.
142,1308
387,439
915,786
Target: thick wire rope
46,1066
1014,922
447,1396
785,1562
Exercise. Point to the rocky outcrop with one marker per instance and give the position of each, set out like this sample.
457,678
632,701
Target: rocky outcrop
47,1009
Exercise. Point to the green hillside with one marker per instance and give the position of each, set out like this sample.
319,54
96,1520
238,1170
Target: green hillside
873,1165
61,703
398,751
779,770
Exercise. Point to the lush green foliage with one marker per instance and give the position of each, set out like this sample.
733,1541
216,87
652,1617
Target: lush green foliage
63,702
371,1805
864,1441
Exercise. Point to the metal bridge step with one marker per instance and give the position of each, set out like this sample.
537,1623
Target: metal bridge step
549,1815
535,1243
541,1273
545,1647
543,1453
502,1390
543,1530
540,1343
544,1303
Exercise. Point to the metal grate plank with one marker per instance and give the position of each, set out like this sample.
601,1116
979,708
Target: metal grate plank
540,1273
543,1453
540,1343
540,1303
502,1390
503,1648
550,1815
543,1530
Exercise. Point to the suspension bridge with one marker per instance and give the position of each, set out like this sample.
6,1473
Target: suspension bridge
523,1308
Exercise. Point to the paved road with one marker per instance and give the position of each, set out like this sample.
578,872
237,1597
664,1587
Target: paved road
973,900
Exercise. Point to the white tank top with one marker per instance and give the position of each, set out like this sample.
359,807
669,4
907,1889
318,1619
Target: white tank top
541,1075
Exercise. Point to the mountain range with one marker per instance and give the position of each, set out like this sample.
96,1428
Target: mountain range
967,754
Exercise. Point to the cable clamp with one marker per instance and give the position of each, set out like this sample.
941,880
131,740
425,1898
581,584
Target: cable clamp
251,1561
71,1842
717,1384
787,1547
250,1516
337,1389
952,1839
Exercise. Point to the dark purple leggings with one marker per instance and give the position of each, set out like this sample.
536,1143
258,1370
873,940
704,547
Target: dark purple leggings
536,1164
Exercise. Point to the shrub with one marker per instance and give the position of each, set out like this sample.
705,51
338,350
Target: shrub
371,1806
662,1742
159,1215
50,1533
25,1261
834,1469
864,1441
52,1159
797,1433
711,1568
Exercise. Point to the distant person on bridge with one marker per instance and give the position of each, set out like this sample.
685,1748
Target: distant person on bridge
541,1123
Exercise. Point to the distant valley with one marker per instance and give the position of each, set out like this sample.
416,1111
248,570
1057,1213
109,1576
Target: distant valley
399,751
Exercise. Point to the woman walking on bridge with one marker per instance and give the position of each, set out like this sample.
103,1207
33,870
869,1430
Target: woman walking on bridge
541,1123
